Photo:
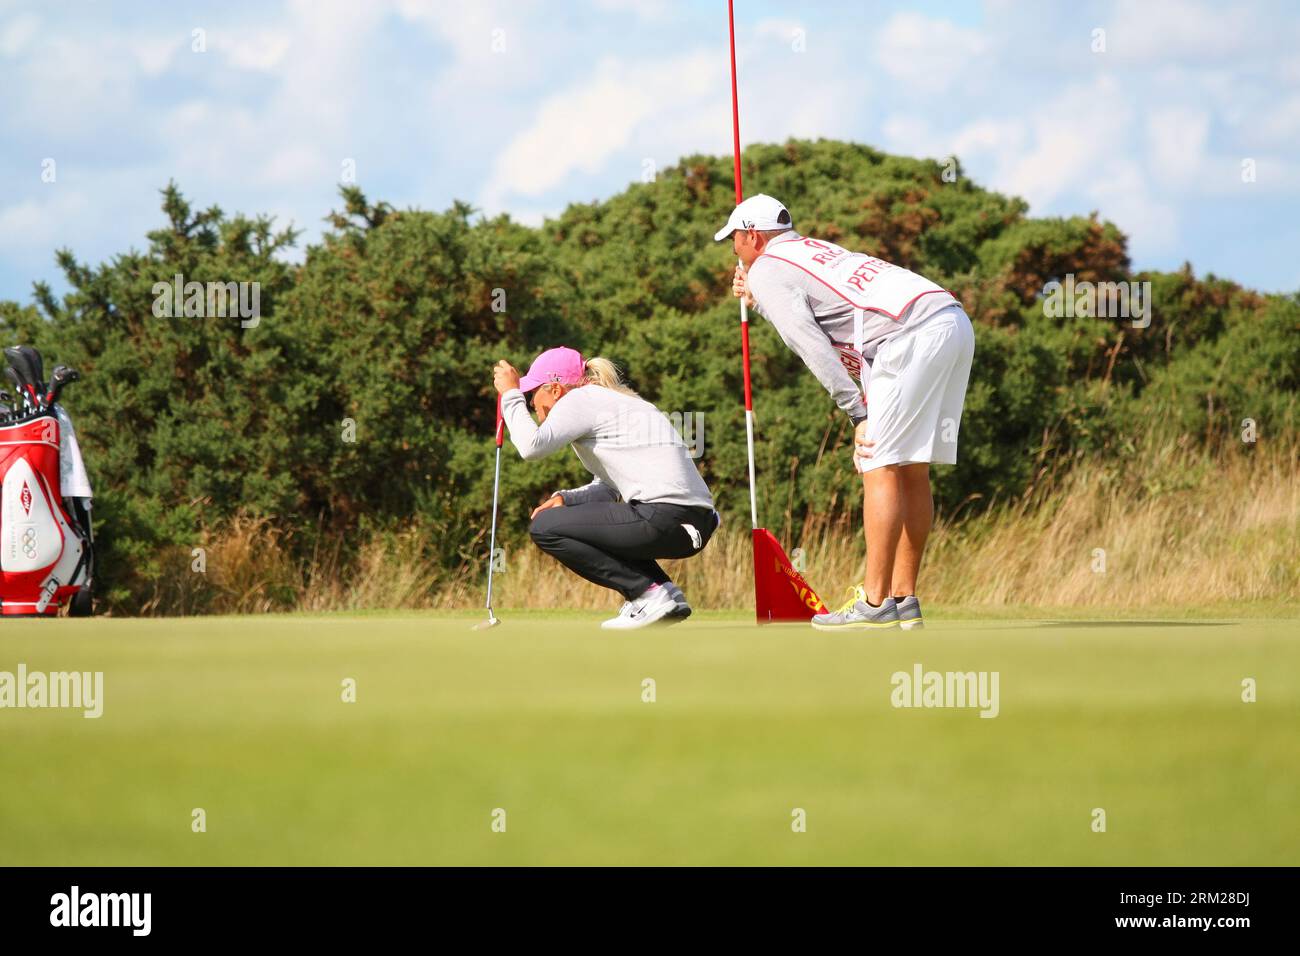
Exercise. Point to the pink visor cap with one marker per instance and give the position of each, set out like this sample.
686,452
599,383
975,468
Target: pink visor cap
562,365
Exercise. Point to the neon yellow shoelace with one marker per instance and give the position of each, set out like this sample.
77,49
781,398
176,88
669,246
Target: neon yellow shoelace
855,595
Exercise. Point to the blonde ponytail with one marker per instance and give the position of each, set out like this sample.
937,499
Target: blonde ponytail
603,372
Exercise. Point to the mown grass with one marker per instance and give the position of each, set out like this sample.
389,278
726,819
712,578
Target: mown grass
544,717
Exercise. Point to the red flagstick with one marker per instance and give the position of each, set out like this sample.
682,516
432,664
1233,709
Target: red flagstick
780,592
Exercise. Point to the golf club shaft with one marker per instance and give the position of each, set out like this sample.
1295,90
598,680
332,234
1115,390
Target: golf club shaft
749,411
496,489
749,441
11,373
492,549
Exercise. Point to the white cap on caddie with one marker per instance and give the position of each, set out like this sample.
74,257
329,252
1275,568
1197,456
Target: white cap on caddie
759,212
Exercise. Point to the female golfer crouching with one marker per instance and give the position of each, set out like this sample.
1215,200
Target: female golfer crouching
634,453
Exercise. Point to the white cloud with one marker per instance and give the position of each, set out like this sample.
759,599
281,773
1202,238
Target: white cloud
1282,123
581,128
154,55
1176,140
990,136
1128,200
17,33
1074,152
36,226
71,87
320,82
912,135
293,163
925,53
493,44
783,31
261,52
1164,30
1074,139
650,10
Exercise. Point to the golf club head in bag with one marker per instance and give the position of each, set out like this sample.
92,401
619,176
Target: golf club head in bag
61,377
36,365
20,361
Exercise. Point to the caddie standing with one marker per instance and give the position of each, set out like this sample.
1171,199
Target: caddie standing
894,350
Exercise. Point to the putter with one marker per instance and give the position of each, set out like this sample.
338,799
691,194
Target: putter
492,620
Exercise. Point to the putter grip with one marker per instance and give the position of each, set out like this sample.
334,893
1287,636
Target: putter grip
501,423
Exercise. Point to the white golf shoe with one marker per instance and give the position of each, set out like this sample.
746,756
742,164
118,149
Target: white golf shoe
654,605
683,610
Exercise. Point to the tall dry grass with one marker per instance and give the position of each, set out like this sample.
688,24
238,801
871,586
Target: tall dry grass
1179,527
247,567
1176,525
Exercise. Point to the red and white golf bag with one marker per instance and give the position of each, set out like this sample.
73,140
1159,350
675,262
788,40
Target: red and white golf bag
45,536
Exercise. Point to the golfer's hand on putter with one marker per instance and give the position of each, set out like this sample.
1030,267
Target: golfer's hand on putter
505,377
740,286
555,501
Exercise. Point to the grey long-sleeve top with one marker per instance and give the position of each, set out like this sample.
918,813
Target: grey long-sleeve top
629,446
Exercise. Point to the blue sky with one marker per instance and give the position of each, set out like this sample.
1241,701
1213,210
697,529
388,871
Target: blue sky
577,97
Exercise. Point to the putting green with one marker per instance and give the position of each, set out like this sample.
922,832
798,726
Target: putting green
544,718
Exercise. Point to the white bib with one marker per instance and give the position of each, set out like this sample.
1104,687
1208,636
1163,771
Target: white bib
865,282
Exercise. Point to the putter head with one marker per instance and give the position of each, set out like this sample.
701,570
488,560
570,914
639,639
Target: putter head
492,621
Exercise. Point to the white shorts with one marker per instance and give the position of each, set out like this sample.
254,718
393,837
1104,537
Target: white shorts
916,389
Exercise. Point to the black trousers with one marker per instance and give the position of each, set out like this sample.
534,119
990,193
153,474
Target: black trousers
614,544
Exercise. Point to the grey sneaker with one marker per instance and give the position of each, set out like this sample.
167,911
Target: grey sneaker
683,610
858,615
909,612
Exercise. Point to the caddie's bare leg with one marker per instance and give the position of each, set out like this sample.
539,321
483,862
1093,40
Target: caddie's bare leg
882,520
918,515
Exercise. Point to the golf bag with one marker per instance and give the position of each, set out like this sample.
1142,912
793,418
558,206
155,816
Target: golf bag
46,556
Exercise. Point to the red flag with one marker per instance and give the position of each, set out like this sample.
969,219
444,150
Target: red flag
780,592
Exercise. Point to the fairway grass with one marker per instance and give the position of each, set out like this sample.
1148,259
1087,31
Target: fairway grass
544,718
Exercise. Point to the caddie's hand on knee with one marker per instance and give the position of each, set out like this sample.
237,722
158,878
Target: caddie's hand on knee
555,501
740,286
862,448
505,377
